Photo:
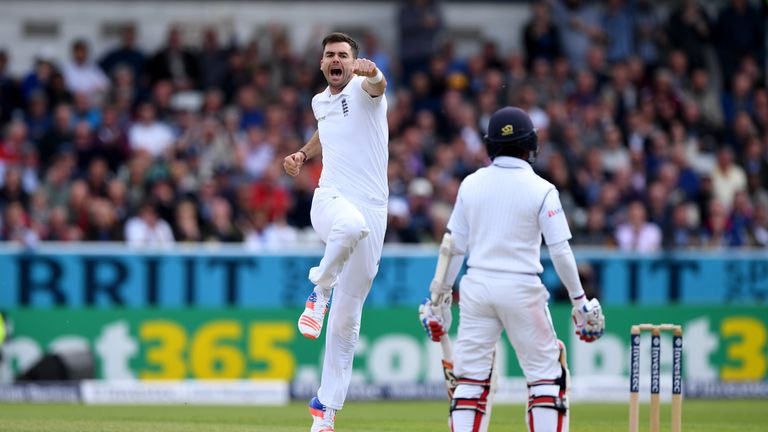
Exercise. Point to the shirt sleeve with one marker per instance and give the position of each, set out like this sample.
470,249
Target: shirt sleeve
373,100
552,219
458,225
314,108
565,266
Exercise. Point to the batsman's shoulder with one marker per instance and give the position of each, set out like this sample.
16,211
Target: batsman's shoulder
543,183
542,187
477,177
548,185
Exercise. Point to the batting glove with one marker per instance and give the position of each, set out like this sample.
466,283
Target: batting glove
589,320
435,320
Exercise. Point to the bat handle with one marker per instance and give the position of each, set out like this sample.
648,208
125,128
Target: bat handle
445,343
438,299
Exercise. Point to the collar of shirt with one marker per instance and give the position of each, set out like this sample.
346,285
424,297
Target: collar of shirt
346,91
511,162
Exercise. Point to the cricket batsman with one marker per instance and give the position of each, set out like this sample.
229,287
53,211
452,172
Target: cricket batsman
500,215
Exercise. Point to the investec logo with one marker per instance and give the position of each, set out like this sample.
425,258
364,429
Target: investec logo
635,372
677,366
655,364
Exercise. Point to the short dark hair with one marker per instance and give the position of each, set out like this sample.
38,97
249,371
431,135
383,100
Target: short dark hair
341,37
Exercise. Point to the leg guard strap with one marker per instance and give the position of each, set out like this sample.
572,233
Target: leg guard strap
469,381
562,381
552,394
478,404
560,404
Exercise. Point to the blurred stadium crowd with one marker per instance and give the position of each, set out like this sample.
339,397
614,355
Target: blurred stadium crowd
653,124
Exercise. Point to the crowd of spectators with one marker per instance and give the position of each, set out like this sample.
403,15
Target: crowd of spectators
652,122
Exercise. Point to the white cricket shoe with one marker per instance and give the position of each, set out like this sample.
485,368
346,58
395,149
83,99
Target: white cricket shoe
311,320
322,416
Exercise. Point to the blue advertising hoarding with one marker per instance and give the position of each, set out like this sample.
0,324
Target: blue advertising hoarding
204,276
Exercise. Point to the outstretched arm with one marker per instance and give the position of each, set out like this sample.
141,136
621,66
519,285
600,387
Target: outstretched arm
294,161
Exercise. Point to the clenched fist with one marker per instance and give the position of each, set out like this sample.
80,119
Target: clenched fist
364,67
293,163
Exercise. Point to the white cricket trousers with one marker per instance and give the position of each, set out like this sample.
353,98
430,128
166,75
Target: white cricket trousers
353,236
491,302
518,305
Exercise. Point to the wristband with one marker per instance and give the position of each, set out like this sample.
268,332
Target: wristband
305,155
579,301
376,78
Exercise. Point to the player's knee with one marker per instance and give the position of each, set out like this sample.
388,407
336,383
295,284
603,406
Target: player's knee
351,228
465,391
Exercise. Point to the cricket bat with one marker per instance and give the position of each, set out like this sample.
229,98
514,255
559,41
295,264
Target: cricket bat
440,296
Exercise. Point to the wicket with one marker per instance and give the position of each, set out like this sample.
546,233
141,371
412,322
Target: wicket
634,375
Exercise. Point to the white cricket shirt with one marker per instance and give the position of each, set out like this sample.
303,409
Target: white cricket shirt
354,135
501,212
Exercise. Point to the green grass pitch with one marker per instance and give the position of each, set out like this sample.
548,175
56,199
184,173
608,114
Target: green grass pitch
698,416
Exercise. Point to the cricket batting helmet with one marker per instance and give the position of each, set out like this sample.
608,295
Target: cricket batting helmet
509,131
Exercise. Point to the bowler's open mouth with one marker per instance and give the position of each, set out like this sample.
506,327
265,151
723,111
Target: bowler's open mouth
335,72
